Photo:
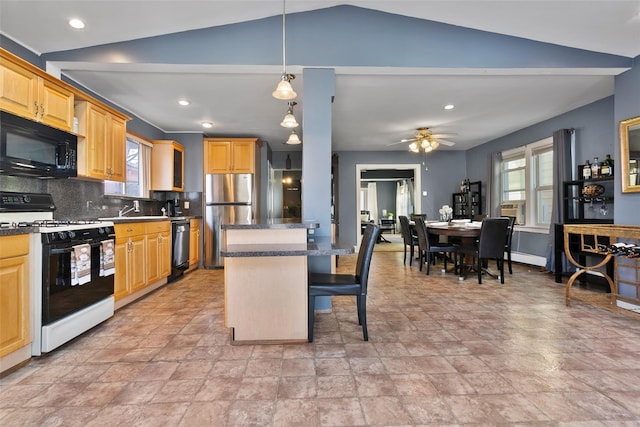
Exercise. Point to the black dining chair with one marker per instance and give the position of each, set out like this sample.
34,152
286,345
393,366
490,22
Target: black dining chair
507,245
408,238
327,284
427,248
490,245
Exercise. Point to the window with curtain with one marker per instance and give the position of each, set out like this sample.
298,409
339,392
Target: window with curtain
527,179
138,170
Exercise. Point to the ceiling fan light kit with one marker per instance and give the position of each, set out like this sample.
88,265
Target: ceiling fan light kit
424,140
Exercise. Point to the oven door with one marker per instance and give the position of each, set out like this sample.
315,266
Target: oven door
60,297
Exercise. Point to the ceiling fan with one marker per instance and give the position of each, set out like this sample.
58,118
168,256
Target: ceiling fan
426,140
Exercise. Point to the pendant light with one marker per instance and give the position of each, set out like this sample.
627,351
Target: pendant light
289,120
284,90
293,138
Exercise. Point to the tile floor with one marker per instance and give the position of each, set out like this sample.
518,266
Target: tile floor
441,352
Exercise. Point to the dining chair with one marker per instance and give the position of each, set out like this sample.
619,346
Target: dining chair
490,245
426,248
507,245
408,238
327,284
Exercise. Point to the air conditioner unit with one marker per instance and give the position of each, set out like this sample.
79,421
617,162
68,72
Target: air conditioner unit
515,208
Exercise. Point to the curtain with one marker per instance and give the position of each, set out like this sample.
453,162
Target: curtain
372,201
562,152
404,200
494,185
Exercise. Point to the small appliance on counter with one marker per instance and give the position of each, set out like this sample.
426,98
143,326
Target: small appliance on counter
173,208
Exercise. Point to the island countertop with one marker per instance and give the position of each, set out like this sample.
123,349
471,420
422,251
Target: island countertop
317,246
279,223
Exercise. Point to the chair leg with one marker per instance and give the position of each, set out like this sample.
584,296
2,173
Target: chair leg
427,255
509,261
404,260
479,271
501,270
411,252
310,314
362,315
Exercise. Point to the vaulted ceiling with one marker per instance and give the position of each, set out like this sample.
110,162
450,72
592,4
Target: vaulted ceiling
376,103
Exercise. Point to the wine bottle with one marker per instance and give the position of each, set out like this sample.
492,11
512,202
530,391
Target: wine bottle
634,252
618,248
604,169
586,170
609,161
595,168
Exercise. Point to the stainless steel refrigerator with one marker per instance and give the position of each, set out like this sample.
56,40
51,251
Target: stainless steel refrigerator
229,199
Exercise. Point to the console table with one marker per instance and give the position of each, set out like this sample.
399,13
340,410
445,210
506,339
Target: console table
594,239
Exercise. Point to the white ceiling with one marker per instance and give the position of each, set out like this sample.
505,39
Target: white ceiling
372,108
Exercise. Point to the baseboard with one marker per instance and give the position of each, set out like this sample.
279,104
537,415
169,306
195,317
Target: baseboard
529,259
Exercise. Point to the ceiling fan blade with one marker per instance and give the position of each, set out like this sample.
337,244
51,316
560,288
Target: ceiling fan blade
445,142
402,141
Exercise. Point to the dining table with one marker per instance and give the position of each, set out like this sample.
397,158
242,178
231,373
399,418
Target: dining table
465,230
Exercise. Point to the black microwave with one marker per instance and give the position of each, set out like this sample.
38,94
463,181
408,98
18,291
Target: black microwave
33,149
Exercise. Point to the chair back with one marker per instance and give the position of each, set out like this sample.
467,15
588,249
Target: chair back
365,253
405,230
493,234
512,222
415,217
423,238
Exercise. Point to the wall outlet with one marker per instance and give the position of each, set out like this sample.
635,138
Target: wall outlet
424,193
186,204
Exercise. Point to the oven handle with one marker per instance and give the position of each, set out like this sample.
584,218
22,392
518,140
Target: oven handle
69,249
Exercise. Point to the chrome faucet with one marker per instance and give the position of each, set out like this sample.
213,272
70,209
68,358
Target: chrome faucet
124,210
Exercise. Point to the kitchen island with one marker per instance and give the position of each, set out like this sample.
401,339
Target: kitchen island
265,278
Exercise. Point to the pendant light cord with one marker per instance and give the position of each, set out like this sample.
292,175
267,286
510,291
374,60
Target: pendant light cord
284,38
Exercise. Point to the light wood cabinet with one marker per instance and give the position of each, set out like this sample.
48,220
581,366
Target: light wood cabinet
27,91
231,155
143,256
14,293
101,142
167,166
130,259
194,242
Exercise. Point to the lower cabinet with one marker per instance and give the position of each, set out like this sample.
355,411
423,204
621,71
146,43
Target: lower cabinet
14,299
143,256
194,242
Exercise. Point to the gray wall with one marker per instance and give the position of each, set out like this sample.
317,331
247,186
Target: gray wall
627,105
445,171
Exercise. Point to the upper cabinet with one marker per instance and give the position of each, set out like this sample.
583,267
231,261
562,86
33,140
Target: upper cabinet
167,166
102,140
231,155
29,92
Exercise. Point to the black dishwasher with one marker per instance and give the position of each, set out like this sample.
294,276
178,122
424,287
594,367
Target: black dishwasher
180,247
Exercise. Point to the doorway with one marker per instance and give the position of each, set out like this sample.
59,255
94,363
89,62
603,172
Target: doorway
417,184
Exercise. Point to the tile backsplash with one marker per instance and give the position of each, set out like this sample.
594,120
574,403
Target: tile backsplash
79,199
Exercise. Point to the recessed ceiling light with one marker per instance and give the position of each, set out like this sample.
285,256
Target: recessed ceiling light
449,107
184,102
207,125
76,23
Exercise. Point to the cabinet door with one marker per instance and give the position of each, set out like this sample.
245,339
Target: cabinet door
56,106
136,269
218,158
242,156
18,90
96,144
121,284
14,304
116,160
165,254
194,242
153,257
178,168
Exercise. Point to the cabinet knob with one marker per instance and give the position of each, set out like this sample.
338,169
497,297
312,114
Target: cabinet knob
41,112
35,115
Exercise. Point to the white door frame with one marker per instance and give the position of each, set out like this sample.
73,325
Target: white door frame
417,186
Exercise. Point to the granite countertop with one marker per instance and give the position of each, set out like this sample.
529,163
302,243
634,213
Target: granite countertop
11,231
150,218
280,223
318,246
